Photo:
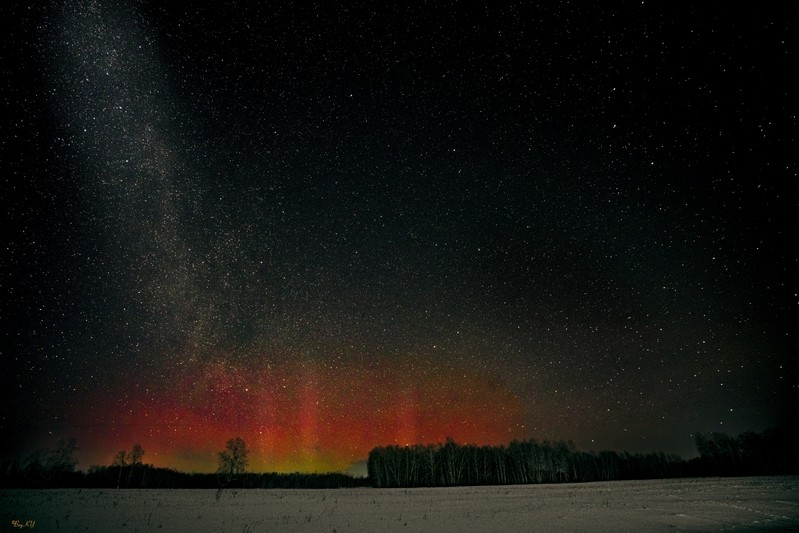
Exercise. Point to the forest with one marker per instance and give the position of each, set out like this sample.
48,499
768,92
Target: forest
520,462
529,461
771,452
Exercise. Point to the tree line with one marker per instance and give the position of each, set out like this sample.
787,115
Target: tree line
520,462
56,468
147,476
529,461
771,452
42,468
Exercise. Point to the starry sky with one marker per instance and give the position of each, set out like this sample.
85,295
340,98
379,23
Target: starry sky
324,227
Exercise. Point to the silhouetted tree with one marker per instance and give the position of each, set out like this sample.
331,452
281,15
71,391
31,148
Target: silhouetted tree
232,460
136,454
127,460
120,461
134,459
429,465
452,461
51,466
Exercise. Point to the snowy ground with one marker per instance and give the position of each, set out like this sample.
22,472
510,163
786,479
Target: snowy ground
764,503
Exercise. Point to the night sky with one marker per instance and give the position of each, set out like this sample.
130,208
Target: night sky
326,228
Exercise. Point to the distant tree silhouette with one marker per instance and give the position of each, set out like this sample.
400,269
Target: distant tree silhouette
232,461
134,458
136,454
62,460
127,460
120,459
50,466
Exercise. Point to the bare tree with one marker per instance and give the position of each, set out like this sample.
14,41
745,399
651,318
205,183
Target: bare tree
49,466
136,454
232,460
62,459
129,460
120,459
135,459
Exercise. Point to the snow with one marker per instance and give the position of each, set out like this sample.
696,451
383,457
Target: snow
711,504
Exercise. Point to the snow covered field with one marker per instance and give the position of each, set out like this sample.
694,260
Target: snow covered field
762,503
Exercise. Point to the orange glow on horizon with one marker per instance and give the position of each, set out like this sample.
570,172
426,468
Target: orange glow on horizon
298,415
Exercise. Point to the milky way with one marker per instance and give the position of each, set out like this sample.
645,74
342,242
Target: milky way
325,229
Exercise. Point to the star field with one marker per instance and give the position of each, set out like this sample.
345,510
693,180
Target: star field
328,228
